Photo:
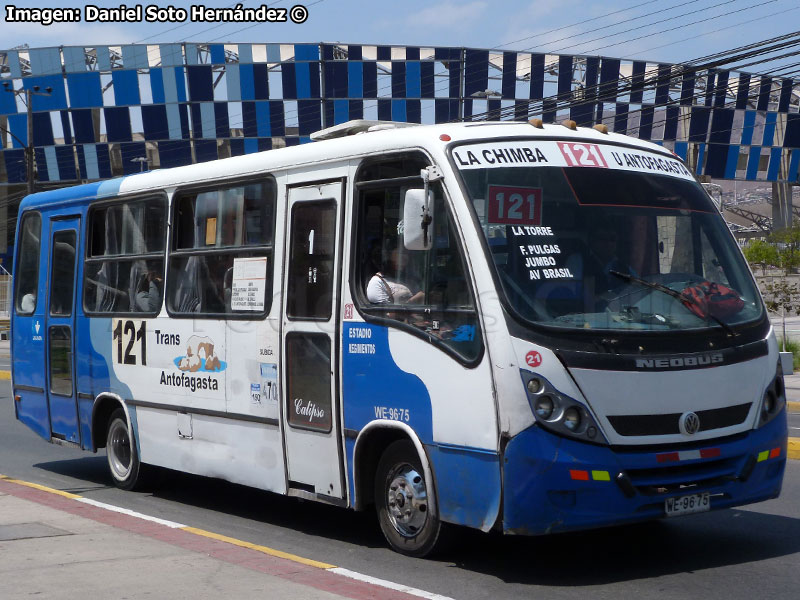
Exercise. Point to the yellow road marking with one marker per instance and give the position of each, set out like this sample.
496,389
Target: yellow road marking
5,375
194,530
794,448
794,406
42,488
264,549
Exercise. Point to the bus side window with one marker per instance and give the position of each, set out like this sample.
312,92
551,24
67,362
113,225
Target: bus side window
214,231
124,270
427,291
27,273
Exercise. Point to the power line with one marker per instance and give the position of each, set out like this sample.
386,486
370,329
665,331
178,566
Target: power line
592,20
160,33
653,78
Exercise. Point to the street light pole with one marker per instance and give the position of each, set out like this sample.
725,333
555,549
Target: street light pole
29,152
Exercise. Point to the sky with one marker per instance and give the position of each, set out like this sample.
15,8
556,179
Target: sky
653,30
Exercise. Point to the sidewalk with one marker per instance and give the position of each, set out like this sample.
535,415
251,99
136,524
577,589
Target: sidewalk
59,545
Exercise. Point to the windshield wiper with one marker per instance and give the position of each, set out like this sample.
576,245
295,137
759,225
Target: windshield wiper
684,300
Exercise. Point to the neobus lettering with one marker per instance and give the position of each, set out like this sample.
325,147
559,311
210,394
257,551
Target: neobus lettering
678,362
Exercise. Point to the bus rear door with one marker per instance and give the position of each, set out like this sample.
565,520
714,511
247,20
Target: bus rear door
311,409
60,329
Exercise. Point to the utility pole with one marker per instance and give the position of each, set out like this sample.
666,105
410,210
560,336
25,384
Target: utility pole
29,153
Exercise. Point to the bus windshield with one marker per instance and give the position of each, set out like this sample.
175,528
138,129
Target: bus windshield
587,236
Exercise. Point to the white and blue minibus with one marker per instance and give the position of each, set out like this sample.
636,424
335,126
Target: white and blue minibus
507,326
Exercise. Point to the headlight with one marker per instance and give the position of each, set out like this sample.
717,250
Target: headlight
572,419
544,407
774,398
534,385
558,412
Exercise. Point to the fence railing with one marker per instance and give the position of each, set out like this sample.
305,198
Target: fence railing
5,297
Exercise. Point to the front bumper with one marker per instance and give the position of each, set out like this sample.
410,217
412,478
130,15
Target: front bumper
553,483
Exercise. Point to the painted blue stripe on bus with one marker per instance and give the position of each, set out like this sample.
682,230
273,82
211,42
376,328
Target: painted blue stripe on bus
109,188
369,372
458,448
460,500
86,191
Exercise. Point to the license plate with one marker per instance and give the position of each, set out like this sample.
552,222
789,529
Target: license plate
685,505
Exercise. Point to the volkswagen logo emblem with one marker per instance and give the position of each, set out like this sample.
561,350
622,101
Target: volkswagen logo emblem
689,423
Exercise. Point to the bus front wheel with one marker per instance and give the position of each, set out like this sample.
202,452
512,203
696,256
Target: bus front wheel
403,503
123,460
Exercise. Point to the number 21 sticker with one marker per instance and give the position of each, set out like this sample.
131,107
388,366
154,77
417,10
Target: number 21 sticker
533,358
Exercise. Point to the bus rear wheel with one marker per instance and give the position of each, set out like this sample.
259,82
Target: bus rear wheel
402,502
123,459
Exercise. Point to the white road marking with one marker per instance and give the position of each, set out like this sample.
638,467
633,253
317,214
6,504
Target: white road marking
388,584
131,513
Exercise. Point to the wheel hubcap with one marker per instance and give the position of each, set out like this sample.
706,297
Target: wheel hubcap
119,450
407,500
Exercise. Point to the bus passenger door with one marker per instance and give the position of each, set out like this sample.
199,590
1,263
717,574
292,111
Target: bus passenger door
311,409
60,330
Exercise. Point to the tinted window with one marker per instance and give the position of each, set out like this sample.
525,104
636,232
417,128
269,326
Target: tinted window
124,270
425,290
222,251
62,276
26,276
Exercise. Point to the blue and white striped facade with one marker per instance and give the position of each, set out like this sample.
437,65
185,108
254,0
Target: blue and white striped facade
181,103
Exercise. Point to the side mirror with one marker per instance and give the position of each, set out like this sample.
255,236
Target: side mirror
418,220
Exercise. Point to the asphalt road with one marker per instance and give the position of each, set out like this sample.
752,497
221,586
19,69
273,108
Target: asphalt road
742,553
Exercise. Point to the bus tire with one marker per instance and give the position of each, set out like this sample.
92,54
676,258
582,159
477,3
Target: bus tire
401,501
123,459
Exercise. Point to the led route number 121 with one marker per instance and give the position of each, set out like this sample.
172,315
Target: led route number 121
514,205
